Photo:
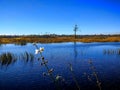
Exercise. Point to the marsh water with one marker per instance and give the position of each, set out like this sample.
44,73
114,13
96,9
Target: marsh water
28,74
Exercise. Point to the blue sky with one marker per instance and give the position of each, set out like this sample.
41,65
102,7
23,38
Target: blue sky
59,16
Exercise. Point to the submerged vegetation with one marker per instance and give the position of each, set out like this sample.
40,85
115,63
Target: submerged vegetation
53,38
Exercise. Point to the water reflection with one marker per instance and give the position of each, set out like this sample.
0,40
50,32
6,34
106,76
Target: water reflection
75,51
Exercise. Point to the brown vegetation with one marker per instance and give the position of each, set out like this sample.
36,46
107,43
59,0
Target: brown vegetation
58,38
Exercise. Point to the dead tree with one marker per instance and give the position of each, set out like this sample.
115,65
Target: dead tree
75,30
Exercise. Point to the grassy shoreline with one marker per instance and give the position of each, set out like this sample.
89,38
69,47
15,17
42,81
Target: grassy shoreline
58,38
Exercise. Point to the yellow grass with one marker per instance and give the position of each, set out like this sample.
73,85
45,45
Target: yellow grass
60,39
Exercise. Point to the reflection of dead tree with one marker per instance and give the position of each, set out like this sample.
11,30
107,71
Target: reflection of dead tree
75,50
75,30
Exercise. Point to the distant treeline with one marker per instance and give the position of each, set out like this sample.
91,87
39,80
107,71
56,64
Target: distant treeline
56,35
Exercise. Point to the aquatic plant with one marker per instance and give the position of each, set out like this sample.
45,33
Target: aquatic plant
21,43
26,56
73,76
7,58
0,44
118,51
94,73
57,79
111,51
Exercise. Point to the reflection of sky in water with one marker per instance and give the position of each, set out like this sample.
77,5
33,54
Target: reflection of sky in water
29,75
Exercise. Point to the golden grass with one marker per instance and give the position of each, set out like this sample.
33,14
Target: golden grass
60,39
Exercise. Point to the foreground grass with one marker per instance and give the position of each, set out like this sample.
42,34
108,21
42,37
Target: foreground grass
55,39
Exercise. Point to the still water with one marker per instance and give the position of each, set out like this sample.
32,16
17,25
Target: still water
28,74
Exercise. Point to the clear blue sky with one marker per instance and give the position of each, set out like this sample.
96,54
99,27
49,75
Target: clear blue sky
59,16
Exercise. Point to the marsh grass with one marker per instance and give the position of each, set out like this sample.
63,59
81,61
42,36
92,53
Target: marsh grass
0,44
26,56
22,43
111,51
118,51
73,76
22,40
95,74
7,58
